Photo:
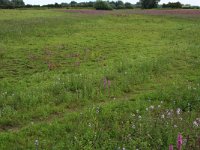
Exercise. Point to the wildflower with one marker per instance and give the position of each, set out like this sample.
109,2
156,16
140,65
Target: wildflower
184,141
147,109
140,117
109,83
175,126
169,113
198,119
171,147
178,111
179,141
36,144
137,111
195,124
104,82
97,110
159,106
152,107
89,125
123,148
133,115
133,126
161,102
162,116
181,118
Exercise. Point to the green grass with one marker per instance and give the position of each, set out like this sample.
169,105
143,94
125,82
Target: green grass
54,66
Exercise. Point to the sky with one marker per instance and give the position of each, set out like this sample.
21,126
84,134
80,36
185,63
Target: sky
42,2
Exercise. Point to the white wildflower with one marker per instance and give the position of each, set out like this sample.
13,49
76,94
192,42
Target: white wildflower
184,141
133,115
36,142
178,111
151,107
169,113
195,123
133,126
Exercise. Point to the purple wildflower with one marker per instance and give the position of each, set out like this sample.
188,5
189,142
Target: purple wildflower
105,83
171,147
179,141
109,83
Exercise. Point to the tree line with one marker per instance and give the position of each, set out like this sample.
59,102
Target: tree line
11,3
99,4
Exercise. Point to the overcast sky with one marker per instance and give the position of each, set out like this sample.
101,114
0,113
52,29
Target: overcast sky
41,2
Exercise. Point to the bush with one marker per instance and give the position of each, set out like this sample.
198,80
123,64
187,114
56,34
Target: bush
102,5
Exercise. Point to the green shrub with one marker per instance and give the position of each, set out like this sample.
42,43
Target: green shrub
102,5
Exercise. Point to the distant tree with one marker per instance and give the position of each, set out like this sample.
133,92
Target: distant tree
5,4
18,3
172,5
147,4
128,5
102,5
56,5
64,4
138,5
73,3
119,5
113,4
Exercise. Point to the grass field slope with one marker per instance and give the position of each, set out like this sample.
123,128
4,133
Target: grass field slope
95,80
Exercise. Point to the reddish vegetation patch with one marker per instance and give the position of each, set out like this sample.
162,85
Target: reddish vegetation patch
192,12
87,11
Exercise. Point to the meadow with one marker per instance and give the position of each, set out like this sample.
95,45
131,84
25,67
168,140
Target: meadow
99,80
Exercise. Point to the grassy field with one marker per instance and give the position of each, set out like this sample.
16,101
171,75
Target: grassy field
103,81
